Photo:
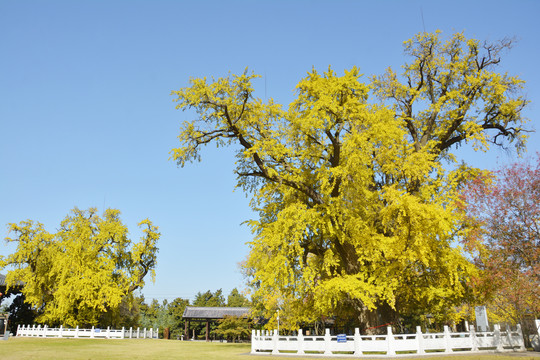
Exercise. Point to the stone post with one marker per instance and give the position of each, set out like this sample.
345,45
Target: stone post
521,341
253,340
447,339
327,342
420,340
390,341
474,341
497,337
357,342
509,336
275,343
300,342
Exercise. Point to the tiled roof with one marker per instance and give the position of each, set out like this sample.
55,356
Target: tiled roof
3,281
193,312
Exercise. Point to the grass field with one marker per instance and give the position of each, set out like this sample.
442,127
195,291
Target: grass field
35,348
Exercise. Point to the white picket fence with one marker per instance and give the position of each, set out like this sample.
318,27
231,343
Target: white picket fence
93,333
388,345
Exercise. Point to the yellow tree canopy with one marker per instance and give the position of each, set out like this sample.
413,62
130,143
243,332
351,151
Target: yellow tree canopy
357,217
83,271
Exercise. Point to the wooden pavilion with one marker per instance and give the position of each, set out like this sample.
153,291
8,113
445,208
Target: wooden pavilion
208,314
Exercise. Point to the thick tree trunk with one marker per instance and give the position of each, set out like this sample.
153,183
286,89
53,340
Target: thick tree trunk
376,321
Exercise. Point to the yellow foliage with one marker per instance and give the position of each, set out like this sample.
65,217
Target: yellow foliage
84,270
357,209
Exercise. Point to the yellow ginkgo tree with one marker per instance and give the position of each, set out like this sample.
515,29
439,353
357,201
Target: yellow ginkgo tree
82,273
356,197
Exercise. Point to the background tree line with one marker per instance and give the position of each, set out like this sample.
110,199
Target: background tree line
139,313
169,314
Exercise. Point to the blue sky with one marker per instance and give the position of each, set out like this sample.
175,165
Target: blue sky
86,116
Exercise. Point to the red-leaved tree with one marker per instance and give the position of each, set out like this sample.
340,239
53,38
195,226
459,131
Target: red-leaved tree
503,209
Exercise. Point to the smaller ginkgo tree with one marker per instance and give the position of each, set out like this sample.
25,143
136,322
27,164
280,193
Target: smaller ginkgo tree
82,272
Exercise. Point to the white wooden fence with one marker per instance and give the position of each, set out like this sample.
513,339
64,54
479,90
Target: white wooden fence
93,333
387,345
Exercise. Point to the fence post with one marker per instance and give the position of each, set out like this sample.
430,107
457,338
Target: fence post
275,343
108,334
357,342
447,339
420,340
509,336
327,342
521,341
253,341
151,335
391,350
138,332
300,342
536,344
144,333
92,333
77,332
60,331
123,333
497,337
474,342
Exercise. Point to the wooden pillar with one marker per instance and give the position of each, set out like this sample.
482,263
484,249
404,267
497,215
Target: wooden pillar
186,329
207,330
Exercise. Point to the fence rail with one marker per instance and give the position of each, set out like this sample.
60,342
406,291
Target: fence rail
388,345
93,333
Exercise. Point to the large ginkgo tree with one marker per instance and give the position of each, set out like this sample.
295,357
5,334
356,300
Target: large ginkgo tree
356,195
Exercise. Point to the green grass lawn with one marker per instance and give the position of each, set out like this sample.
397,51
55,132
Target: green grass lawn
35,348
